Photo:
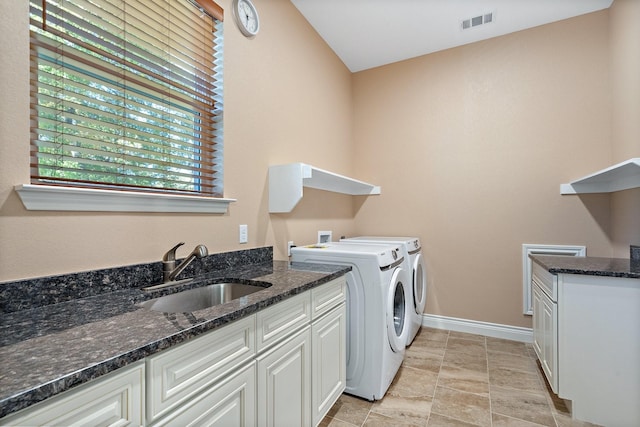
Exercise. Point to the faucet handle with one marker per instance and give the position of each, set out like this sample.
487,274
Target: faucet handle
171,253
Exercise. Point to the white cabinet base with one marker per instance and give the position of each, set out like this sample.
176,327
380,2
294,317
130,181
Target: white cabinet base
284,378
599,348
114,400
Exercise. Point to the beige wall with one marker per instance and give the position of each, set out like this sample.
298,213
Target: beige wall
490,131
287,98
470,146
624,33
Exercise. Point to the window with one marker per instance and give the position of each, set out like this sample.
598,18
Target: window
127,94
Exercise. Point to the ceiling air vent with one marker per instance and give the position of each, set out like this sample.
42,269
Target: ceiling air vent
476,21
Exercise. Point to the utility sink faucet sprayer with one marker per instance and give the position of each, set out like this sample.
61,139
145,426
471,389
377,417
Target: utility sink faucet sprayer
169,269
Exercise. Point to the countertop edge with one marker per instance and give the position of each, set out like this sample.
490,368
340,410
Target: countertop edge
589,266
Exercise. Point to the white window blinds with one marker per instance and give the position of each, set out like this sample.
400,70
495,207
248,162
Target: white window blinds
127,94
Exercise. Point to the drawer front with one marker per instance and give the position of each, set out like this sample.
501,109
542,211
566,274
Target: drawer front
232,402
546,281
113,400
282,319
178,374
326,297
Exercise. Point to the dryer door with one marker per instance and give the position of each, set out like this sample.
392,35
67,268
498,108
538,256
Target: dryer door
396,312
419,284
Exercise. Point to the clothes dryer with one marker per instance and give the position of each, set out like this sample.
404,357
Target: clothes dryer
415,264
377,288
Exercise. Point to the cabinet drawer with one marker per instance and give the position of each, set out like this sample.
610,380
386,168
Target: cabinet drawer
180,373
113,400
327,296
546,281
231,402
282,319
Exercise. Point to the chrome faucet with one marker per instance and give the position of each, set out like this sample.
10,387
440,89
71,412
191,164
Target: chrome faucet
169,269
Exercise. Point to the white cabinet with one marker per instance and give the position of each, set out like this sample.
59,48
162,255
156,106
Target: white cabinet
231,402
545,334
329,352
281,320
586,331
329,364
117,399
178,375
284,383
282,366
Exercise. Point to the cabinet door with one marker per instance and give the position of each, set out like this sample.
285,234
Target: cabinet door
113,400
178,374
328,361
232,402
538,322
284,383
545,335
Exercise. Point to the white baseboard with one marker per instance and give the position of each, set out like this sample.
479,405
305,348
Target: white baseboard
495,330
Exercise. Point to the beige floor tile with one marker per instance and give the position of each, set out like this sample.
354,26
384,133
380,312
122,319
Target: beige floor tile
467,346
466,336
504,421
518,380
378,420
566,421
430,334
457,379
511,361
429,346
419,358
437,420
464,379
404,410
333,422
350,409
463,406
507,346
411,382
526,406
461,359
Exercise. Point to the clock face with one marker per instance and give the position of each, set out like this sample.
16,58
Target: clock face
246,17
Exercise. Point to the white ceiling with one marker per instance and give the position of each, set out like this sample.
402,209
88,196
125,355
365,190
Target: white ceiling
370,33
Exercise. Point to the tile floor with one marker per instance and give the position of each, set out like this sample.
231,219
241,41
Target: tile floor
456,379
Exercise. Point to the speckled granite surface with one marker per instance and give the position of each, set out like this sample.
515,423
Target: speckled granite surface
592,266
47,349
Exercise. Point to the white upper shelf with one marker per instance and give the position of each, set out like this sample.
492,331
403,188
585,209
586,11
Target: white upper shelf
623,176
286,184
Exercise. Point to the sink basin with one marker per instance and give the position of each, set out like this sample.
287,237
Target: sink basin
200,298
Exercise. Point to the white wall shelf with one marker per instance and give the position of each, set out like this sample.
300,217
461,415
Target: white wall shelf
286,183
623,176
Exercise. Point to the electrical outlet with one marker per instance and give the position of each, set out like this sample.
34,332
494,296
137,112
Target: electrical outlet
243,233
290,244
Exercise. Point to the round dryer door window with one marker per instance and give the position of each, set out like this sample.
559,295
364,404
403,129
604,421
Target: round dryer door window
419,284
396,313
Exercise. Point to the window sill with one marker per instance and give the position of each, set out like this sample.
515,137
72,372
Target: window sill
53,198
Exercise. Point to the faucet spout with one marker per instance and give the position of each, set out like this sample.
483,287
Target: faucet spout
169,269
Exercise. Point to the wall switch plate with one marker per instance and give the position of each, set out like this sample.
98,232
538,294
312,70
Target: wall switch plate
324,236
243,233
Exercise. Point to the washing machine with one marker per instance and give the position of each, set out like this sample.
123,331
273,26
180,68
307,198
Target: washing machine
377,310
415,264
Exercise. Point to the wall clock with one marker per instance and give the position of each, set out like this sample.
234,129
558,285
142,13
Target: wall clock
246,17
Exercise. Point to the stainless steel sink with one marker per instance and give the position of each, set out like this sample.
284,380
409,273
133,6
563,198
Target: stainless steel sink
200,298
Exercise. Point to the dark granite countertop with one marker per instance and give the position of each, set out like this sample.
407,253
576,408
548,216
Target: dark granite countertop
592,266
47,350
